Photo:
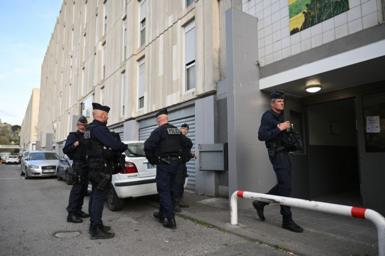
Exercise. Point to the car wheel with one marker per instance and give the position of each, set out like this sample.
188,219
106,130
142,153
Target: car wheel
114,203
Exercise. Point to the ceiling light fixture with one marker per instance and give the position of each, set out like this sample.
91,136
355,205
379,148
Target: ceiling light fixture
313,86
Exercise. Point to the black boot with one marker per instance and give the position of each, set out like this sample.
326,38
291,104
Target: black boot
103,227
73,218
97,232
259,207
106,228
169,223
158,216
289,224
82,214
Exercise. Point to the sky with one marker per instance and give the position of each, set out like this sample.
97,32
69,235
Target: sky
25,31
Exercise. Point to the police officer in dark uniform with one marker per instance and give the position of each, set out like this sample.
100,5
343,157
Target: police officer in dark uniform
164,148
182,172
271,131
75,149
99,143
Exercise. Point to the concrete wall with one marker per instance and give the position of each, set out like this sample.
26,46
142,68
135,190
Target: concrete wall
276,43
249,167
29,130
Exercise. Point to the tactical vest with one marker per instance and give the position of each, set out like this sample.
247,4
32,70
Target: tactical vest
94,148
171,142
79,154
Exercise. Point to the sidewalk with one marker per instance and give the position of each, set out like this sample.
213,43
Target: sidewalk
324,234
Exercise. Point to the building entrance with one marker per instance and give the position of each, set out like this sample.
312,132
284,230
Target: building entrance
332,152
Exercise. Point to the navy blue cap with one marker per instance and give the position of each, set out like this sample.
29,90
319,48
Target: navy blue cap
277,95
100,107
82,120
185,126
162,112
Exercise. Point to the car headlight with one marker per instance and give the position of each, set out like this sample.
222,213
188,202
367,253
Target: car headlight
34,167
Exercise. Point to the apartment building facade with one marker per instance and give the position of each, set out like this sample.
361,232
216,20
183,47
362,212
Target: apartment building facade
29,129
137,56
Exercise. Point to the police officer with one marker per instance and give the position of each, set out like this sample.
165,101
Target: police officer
164,148
271,131
75,149
182,172
99,141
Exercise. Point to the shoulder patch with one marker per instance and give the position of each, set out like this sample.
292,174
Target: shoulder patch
173,131
87,135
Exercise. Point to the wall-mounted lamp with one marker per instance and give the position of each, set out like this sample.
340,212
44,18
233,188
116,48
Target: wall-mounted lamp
313,86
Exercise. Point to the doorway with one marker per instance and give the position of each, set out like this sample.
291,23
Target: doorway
332,152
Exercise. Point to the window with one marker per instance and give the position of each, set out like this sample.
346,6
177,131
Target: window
85,14
124,4
122,94
189,56
142,22
124,40
105,10
82,82
97,27
189,2
102,61
101,98
141,68
84,48
86,106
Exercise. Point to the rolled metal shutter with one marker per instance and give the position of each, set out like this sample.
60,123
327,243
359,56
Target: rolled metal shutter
145,132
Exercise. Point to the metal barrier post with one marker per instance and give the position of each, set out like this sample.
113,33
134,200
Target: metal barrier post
355,212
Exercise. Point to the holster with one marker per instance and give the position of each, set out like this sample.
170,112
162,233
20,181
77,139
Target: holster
78,174
100,175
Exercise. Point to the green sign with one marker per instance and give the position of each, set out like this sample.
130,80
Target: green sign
306,13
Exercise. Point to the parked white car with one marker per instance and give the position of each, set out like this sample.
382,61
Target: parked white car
137,179
13,159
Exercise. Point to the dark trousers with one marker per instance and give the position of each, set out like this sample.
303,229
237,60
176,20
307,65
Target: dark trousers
79,189
166,186
282,168
180,180
96,204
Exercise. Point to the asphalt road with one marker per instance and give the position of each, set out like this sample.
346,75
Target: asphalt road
32,211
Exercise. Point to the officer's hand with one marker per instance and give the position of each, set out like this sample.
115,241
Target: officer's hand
76,143
284,126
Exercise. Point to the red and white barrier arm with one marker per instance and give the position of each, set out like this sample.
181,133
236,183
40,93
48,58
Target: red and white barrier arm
356,212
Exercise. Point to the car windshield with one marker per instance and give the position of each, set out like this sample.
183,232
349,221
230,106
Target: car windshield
135,150
13,156
43,156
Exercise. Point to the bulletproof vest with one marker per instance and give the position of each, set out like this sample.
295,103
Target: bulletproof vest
171,142
94,148
79,154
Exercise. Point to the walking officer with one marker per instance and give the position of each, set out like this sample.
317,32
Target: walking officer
164,148
272,131
100,142
75,149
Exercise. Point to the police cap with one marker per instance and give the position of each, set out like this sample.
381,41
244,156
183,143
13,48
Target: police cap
82,120
162,112
100,107
277,95
185,126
